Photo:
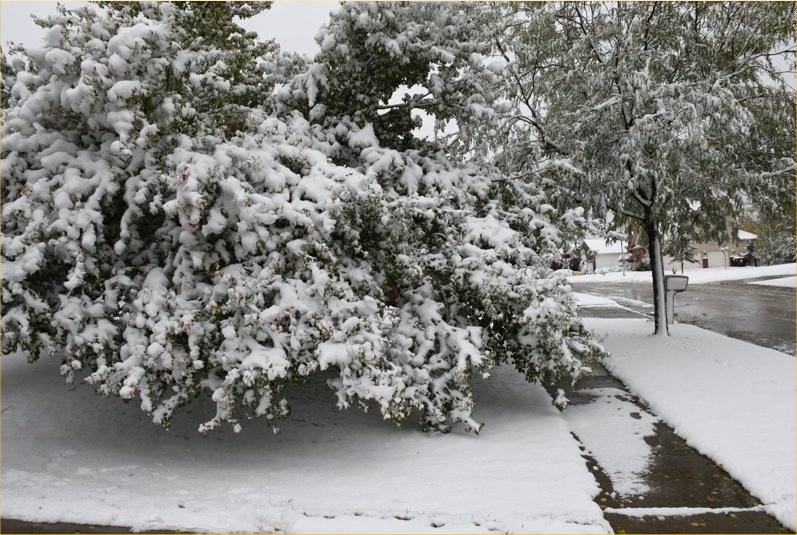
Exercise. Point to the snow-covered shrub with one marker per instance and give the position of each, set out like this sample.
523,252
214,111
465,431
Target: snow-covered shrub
163,255
778,248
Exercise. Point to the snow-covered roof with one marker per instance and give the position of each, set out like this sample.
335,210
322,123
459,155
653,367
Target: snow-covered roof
744,235
600,246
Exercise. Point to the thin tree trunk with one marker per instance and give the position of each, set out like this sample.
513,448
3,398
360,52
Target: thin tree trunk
657,269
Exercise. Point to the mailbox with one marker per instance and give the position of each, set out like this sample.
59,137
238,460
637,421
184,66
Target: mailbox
673,284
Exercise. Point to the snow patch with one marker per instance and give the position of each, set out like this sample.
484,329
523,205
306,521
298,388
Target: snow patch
589,300
333,353
363,138
614,438
328,471
785,282
696,276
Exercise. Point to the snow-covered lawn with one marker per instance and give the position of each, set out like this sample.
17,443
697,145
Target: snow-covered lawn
785,282
696,276
731,400
69,455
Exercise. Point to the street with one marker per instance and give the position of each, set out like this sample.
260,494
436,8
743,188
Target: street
763,315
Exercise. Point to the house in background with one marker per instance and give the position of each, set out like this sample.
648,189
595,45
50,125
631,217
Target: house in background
743,255
602,254
712,254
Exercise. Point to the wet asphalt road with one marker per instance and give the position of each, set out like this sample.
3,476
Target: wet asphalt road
763,315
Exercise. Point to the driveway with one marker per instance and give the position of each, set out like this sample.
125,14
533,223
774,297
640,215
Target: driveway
763,315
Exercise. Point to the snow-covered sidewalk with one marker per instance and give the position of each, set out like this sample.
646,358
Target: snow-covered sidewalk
594,301
696,276
731,400
614,438
785,282
69,455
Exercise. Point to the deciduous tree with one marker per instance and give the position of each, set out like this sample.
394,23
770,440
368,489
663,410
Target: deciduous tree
665,114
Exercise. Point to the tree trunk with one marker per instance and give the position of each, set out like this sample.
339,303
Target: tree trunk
657,269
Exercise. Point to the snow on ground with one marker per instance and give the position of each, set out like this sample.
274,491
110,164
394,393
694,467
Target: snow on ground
69,455
585,300
785,282
731,400
696,276
628,302
679,511
614,438
589,300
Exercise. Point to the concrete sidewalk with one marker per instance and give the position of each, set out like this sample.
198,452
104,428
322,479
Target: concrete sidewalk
685,491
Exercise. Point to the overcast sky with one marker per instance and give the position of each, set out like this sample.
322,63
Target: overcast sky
292,24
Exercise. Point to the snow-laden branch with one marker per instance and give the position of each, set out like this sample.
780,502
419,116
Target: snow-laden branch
790,169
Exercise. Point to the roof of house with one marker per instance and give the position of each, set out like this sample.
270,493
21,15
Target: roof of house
744,235
600,246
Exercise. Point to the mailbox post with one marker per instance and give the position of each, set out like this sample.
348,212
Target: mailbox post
673,284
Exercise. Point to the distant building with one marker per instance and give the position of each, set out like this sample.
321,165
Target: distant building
712,255
601,254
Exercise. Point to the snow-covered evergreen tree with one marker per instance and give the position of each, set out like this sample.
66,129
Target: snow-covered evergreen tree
172,229
6,78
665,114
